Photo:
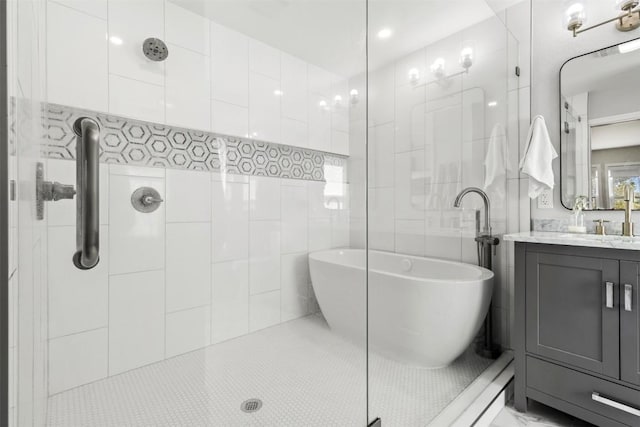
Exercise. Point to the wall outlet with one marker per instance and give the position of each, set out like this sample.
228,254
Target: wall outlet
545,199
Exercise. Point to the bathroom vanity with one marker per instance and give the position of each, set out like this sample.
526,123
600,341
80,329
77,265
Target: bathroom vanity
577,325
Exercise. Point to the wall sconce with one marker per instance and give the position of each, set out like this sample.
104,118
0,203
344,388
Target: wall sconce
414,76
575,16
438,68
466,57
353,96
337,101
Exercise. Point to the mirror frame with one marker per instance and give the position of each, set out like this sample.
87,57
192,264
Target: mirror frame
560,115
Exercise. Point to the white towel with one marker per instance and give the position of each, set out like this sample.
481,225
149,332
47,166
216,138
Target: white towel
538,158
496,162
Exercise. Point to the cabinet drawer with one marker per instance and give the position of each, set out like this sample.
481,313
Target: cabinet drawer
578,388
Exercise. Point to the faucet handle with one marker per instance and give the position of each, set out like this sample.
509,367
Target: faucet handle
600,227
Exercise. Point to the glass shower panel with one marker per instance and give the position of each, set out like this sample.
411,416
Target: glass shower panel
231,188
443,108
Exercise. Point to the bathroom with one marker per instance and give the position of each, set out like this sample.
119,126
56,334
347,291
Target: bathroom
303,213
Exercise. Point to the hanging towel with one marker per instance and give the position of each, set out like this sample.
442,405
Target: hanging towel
538,158
496,162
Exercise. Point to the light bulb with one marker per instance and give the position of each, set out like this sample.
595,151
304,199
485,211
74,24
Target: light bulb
353,96
115,40
278,92
384,33
466,57
337,100
414,75
575,15
437,68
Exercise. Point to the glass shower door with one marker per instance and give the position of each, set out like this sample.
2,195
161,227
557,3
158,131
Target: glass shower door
222,201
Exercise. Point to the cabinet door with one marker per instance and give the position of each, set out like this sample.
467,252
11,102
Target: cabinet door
567,316
630,322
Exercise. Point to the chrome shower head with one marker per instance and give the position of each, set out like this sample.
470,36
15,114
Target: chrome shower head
155,49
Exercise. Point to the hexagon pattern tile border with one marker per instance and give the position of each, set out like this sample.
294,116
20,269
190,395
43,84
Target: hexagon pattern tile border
134,142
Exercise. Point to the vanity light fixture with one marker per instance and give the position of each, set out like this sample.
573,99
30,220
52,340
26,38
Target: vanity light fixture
466,57
438,68
576,16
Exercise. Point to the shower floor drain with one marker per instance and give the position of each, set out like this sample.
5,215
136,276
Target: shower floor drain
251,405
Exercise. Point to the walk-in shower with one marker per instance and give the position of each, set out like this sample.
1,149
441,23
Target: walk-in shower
201,154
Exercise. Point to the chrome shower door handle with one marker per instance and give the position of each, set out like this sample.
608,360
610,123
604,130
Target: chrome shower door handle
609,294
87,253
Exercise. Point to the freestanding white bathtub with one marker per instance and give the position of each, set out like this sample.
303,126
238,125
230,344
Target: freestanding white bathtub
422,311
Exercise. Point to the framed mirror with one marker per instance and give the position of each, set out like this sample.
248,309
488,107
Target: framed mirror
600,126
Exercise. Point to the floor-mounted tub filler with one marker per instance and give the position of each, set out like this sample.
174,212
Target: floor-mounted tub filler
422,311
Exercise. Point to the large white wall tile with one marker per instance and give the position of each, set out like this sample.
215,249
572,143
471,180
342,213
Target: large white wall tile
409,185
188,265
319,81
294,202
381,219
188,89
264,198
188,196
294,133
317,200
340,105
295,286
187,330
229,65
186,29
136,320
264,310
77,298
319,122
77,359
97,8
294,88
229,300
127,32
264,59
381,156
136,238
264,108
264,256
410,237
319,234
84,83
136,99
230,220
63,212
229,119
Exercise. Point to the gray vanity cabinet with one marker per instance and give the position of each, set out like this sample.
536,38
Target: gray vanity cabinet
630,322
577,331
567,316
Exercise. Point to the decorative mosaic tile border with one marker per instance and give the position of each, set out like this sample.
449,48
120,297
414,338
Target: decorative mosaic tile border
134,142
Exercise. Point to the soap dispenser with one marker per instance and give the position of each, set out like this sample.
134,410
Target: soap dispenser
577,218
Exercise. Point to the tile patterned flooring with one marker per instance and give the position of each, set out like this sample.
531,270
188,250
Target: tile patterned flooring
304,374
538,415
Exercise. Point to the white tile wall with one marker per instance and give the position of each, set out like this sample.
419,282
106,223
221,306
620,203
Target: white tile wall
188,258
77,359
214,78
136,320
83,84
224,255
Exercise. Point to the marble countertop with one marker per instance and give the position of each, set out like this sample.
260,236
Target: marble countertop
575,239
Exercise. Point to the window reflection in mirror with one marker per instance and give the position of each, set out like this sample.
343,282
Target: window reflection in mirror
600,127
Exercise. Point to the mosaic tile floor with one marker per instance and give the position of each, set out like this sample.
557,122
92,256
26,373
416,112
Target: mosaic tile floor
304,374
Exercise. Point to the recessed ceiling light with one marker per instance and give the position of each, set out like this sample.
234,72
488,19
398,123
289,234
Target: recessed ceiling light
384,33
115,40
492,104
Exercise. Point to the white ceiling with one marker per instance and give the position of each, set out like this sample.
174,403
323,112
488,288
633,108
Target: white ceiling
331,33
625,134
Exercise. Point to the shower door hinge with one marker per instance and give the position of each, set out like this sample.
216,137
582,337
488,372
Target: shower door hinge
376,423
517,70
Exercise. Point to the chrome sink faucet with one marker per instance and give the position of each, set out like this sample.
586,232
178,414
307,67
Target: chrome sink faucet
629,200
487,206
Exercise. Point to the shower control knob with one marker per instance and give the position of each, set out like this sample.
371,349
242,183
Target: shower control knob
146,199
